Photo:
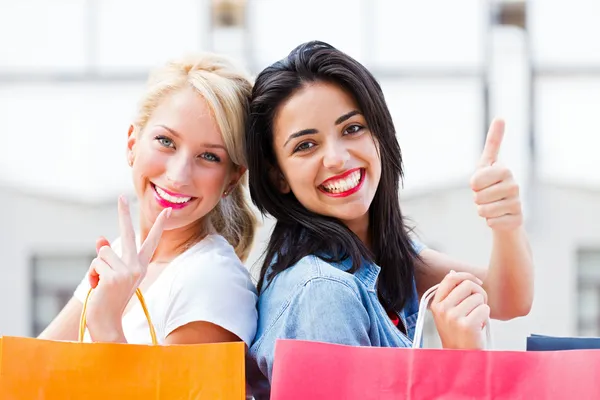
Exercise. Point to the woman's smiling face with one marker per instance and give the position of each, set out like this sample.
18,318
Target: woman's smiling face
180,161
326,152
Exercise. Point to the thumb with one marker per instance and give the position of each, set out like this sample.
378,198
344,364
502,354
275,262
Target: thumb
493,142
93,276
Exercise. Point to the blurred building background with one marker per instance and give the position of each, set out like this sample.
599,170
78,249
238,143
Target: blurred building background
71,72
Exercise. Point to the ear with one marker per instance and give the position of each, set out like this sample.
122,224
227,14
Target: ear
235,176
131,140
279,180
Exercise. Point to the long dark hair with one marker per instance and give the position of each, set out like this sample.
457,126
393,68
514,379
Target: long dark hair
299,232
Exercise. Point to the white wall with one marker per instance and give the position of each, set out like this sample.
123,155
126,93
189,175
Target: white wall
564,33
566,219
440,127
31,225
68,140
566,58
112,36
568,129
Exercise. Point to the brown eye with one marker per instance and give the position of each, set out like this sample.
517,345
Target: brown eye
304,146
353,129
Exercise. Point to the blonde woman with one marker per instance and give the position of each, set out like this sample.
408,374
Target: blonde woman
185,149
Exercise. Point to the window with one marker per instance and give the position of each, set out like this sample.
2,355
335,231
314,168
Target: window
511,13
588,293
54,278
228,13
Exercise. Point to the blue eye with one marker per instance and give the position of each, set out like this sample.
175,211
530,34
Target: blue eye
165,141
210,157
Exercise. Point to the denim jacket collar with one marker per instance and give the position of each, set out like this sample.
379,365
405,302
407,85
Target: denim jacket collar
368,273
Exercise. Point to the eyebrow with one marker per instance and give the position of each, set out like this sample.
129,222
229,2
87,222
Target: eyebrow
346,116
208,145
174,133
304,132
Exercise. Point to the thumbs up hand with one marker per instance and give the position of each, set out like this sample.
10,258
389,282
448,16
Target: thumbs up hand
495,191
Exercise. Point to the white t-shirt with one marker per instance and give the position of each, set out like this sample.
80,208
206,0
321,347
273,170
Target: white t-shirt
207,282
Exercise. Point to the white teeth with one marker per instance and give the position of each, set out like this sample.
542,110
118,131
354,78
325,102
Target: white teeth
343,185
172,199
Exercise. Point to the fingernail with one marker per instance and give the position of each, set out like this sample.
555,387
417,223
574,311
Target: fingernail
169,210
479,281
123,199
451,272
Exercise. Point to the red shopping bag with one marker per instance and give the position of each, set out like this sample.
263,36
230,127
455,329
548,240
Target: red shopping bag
321,371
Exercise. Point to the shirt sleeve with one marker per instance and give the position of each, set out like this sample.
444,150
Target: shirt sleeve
417,245
82,289
323,310
213,289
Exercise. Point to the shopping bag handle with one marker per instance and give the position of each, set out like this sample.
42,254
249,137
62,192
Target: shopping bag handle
424,304
138,292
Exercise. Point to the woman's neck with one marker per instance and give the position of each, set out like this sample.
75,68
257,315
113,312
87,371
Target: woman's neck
360,227
173,242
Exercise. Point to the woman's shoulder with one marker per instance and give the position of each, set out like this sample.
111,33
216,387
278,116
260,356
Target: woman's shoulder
211,284
213,265
312,268
212,251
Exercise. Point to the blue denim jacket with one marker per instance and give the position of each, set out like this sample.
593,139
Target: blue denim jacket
319,301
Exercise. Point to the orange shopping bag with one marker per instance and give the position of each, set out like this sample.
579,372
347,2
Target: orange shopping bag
44,369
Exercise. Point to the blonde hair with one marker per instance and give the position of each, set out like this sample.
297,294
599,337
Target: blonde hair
227,89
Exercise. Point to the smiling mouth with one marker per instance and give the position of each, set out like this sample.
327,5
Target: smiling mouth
344,186
169,199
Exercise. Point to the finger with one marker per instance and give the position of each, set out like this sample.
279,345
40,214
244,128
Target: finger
97,269
128,243
151,243
109,256
493,142
450,281
105,272
501,190
465,307
505,222
499,208
479,316
489,176
101,242
93,276
461,292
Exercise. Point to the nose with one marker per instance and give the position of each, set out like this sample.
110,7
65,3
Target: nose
179,170
336,156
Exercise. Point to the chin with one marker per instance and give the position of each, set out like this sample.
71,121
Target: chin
351,215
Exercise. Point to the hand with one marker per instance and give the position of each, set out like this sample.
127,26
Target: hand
116,279
460,311
495,191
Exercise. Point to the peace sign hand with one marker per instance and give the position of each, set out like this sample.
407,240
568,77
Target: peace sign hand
116,279
496,193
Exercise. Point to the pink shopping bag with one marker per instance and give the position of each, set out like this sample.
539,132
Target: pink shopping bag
322,371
